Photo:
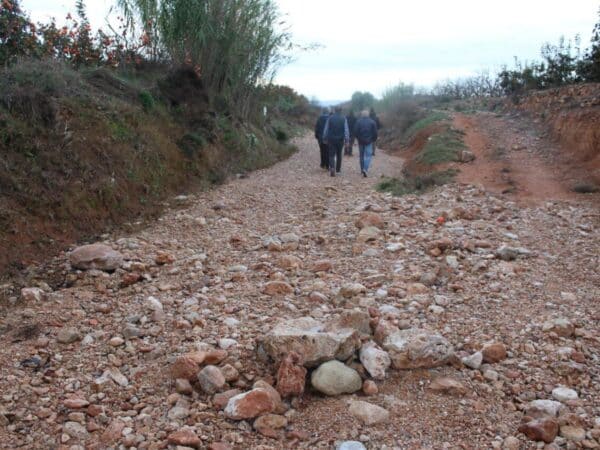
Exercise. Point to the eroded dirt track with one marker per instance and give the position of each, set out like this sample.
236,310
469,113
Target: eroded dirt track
89,366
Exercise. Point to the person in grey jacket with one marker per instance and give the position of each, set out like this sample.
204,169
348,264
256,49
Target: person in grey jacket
365,131
336,134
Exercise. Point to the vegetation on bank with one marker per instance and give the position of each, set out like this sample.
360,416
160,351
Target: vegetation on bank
97,129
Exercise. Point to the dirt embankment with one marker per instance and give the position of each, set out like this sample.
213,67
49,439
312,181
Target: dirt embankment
84,151
572,115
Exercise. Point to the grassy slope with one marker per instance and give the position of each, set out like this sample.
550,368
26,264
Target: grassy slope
84,151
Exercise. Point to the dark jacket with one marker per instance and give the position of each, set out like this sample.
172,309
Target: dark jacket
320,126
351,118
336,129
374,117
365,131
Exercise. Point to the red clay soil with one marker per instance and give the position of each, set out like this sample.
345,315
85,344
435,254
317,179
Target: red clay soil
515,156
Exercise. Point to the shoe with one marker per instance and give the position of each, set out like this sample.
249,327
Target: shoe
332,173
364,173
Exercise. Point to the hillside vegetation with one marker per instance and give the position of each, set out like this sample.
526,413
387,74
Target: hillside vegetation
96,131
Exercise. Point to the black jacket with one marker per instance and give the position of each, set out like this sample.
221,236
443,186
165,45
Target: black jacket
320,126
365,130
336,129
351,118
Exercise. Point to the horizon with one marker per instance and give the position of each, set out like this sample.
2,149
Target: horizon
407,44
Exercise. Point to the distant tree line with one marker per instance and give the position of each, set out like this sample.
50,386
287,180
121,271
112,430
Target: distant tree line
561,64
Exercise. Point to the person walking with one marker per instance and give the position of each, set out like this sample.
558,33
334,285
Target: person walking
336,134
374,117
319,128
351,119
365,131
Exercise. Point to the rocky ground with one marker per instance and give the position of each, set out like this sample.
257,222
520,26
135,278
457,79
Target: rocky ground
460,319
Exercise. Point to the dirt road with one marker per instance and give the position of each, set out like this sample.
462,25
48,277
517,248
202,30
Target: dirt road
90,365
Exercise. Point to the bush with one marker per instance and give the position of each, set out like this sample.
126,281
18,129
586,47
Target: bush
416,184
425,122
147,100
442,147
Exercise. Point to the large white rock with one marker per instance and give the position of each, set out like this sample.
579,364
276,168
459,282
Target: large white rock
335,378
314,341
415,349
96,256
375,360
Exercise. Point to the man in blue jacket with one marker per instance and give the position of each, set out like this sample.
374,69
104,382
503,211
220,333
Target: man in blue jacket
365,131
319,128
336,134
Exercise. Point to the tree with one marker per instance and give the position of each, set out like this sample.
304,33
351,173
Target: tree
17,33
234,45
589,67
362,100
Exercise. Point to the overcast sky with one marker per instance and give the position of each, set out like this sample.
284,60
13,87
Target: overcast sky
373,44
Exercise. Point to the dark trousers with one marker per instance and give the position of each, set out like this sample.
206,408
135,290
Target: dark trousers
324,149
335,155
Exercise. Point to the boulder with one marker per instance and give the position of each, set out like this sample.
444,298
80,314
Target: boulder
308,338
335,378
250,405
539,409
375,360
96,256
415,349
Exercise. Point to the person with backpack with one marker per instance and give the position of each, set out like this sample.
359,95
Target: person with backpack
319,128
336,134
365,131
374,117
351,119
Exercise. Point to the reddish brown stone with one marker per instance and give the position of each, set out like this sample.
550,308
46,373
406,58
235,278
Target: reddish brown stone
544,430
277,288
130,279
219,446
185,367
215,357
322,266
94,410
113,432
163,258
250,405
185,437
220,400
370,219
291,376
76,403
493,353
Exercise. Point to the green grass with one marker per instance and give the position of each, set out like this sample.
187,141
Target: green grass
442,147
425,122
416,185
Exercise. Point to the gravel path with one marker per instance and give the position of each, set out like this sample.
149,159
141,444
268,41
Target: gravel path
89,366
